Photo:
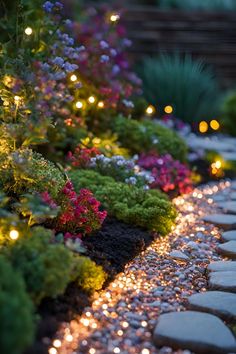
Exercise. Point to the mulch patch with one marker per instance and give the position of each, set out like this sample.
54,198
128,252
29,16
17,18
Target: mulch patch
115,245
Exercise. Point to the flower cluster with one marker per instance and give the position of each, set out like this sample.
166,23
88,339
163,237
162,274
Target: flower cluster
169,174
82,156
121,169
80,212
104,64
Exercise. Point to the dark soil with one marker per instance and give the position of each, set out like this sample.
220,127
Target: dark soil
113,247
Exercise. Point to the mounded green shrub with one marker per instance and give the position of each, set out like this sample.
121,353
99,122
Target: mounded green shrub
46,267
16,311
229,114
145,136
133,205
187,85
89,276
27,171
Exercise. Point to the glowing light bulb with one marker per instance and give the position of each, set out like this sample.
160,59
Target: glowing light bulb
91,99
79,104
168,109
218,164
114,17
203,127
116,350
144,323
150,110
215,125
69,338
92,351
57,343
86,322
145,351
28,31
17,99
52,351
14,234
73,78
101,104
125,324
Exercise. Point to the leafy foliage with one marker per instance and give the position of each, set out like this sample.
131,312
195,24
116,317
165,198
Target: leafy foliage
16,311
188,85
144,136
130,204
229,114
89,276
27,171
40,263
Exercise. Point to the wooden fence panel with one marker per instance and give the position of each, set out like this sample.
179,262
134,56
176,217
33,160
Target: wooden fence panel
207,35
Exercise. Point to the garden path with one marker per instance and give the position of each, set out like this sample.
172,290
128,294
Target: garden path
124,316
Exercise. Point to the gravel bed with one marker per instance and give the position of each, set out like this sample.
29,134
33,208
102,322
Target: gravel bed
122,318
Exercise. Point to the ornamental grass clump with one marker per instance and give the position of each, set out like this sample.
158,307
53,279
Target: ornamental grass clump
145,208
144,136
189,86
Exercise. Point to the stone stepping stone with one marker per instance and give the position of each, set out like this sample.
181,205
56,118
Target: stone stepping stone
233,196
195,331
218,303
229,207
178,255
219,198
228,249
229,156
229,235
222,266
225,221
225,281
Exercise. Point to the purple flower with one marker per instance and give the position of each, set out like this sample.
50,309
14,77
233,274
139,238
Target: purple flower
80,49
104,58
70,67
48,6
45,66
58,5
68,23
58,61
113,52
104,45
127,42
59,75
115,69
67,39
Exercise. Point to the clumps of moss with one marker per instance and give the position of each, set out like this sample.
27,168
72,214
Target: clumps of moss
146,136
88,276
133,205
